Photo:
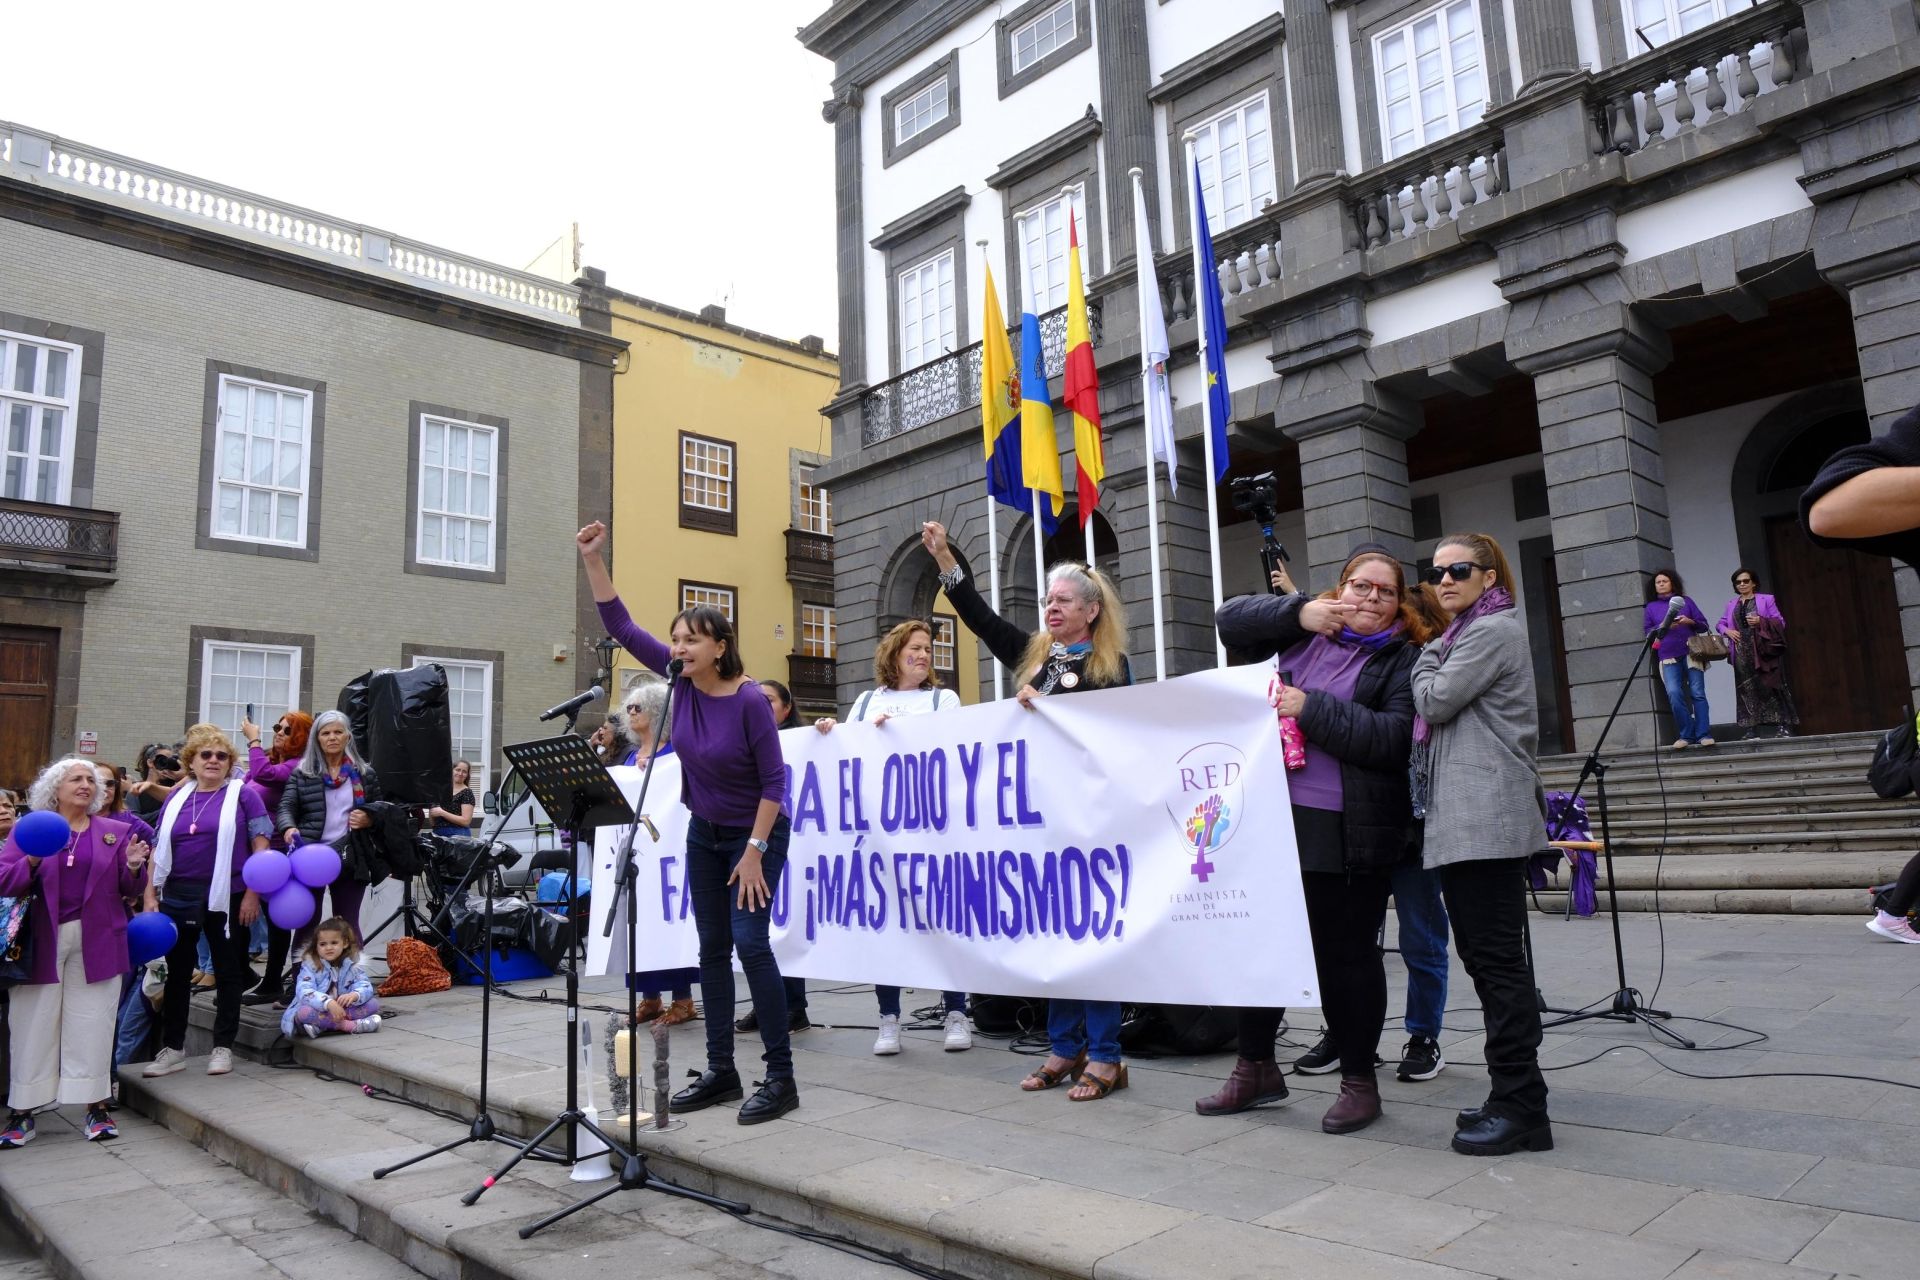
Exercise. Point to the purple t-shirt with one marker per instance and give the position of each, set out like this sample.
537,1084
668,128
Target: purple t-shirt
193,851
1321,665
73,878
728,747
1674,643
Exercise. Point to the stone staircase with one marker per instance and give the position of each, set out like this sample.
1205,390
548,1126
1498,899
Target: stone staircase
1783,825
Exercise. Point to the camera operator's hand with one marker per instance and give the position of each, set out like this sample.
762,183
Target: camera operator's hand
1325,617
1281,582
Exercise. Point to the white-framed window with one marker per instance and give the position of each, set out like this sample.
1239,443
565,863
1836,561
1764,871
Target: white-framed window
706,474
1042,233
926,311
459,488
944,647
1235,153
1034,40
695,594
816,504
39,391
1665,20
262,464
920,112
817,633
469,711
233,674
1432,79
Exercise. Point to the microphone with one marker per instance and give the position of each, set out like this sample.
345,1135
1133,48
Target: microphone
1674,605
675,667
574,703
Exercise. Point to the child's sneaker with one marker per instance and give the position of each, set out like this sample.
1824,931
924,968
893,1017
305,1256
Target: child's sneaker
1894,927
369,1023
310,1031
100,1125
19,1131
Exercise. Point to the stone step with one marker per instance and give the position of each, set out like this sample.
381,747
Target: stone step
151,1203
1817,902
1851,791
1692,768
1779,840
1756,871
1715,805
1647,822
1763,751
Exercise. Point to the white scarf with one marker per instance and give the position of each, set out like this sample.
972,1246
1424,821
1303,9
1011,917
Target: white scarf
222,882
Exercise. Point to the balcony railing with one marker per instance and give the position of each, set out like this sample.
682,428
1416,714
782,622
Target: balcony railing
1419,192
70,537
1247,257
810,679
951,384
809,557
1706,76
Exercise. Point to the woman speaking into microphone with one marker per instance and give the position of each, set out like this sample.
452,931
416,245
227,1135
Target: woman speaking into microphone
733,781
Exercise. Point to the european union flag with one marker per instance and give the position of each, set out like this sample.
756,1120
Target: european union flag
1213,329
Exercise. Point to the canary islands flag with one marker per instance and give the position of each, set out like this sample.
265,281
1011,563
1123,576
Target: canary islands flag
1039,447
1080,389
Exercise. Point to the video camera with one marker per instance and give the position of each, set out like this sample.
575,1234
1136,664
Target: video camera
1259,497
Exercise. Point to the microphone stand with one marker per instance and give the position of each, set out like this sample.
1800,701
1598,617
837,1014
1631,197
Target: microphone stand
634,1175
1625,1004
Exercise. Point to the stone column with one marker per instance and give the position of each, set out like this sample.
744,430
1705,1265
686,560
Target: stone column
1548,50
842,111
1126,117
1606,490
1316,93
1353,482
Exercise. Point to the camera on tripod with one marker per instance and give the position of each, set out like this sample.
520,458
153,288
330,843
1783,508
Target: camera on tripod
1259,497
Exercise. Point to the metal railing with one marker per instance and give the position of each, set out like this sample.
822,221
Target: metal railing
810,678
47,533
809,556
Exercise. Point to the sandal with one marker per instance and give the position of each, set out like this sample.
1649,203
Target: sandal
1099,1088
1042,1077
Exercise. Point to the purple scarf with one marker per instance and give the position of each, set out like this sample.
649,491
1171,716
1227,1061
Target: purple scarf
1420,766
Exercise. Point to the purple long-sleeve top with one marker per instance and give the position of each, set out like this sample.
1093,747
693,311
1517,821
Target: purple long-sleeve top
1762,604
728,747
102,915
1674,643
269,781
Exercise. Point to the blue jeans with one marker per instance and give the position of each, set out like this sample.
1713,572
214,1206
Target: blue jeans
1687,695
1423,946
890,1001
724,928
135,1022
1093,1025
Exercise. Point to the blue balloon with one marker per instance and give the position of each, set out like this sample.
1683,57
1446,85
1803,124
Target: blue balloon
42,833
150,935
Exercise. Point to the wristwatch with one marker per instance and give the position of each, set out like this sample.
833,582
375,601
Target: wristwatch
757,843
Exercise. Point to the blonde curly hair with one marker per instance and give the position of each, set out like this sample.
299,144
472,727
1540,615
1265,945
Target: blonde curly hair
203,735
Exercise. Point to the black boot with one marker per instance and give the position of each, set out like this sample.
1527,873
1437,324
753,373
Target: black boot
712,1087
1498,1135
772,1099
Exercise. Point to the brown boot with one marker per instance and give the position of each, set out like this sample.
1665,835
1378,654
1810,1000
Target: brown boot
649,1010
678,1012
1252,1084
1357,1106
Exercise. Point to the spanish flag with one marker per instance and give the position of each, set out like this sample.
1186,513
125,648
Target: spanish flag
1000,406
1039,447
1081,388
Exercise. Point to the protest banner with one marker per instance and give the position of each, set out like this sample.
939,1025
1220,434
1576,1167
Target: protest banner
1127,844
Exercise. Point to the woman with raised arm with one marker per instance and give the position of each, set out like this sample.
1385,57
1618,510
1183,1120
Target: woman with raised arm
1082,647
733,782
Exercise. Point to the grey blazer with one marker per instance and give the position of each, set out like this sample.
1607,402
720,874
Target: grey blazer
1484,798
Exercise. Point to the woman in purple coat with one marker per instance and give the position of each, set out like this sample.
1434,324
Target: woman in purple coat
62,1015
1684,677
1757,645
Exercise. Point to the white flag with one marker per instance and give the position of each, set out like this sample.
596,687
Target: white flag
1153,345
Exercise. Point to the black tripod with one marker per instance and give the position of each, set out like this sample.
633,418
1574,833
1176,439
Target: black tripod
634,1174
1625,1005
1272,553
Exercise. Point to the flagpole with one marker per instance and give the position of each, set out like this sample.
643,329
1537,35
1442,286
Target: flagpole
1206,411
1144,244
993,538
1039,560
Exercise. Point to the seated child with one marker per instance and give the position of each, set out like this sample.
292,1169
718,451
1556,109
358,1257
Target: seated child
331,992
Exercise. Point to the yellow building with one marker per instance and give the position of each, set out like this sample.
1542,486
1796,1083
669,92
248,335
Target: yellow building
717,432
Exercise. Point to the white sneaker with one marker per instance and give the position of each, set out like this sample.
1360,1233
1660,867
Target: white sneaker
887,1043
1894,927
164,1063
369,1023
310,1031
220,1062
959,1031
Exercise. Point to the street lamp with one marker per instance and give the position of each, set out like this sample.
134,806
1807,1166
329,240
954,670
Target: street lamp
603,648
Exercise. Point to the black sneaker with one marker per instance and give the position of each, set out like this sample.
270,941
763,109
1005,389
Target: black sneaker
1421,1059
797,1021
749,1023
1320,1059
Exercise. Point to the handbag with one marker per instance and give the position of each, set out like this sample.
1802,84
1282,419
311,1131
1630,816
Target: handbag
1708,647
16,940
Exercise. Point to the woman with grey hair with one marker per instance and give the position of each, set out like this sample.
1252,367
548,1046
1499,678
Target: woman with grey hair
610,741
646,708
61,1019
325,798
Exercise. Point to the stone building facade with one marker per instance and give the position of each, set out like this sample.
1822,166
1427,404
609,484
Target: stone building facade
1604,278
253,451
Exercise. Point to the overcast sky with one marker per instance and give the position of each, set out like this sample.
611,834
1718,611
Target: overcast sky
684,137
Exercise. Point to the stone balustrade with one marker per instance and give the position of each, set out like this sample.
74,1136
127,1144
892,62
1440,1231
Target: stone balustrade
101,175
1695,80
1416,194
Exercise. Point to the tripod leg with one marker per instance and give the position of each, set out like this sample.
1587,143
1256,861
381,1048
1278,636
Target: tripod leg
532,1145
527,1232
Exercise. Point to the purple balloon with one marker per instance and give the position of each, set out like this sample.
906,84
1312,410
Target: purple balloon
291,906
266,871
315,865
41,834
150,935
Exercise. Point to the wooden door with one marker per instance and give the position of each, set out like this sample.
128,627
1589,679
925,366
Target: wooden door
1845,660
27,663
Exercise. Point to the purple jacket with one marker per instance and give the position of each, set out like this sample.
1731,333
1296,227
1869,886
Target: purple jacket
1763,604
103,917
269,782
1674,643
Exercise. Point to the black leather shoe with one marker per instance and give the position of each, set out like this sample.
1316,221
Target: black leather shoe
260,997
771,1099
797,1021
712,1086
1468,1118
1499,1135
749,1023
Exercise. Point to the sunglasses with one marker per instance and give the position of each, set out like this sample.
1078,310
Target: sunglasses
1369,590
634,708
1458,572
281,728
213,755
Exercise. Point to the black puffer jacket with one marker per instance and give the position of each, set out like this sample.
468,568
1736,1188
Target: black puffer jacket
304,803
1371,736
1064,673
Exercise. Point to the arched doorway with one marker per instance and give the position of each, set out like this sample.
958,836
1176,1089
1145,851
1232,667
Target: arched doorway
1068,543
1847,661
